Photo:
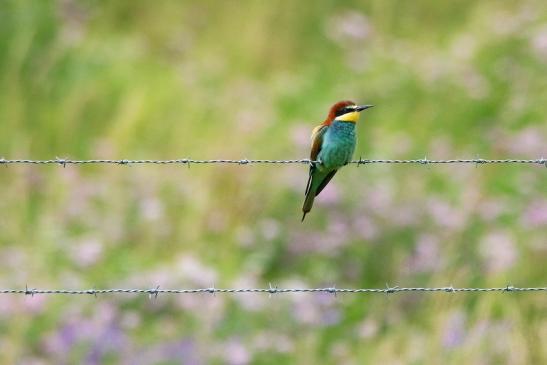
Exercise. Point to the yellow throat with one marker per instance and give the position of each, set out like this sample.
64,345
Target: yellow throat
352,117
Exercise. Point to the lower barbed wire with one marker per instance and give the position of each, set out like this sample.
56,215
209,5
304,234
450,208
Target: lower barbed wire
272,289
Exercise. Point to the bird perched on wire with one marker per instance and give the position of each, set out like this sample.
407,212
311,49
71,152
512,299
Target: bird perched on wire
332,146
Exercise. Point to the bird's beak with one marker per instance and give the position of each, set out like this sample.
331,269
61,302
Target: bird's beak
359,108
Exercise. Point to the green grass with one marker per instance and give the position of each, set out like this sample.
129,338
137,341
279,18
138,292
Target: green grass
140,79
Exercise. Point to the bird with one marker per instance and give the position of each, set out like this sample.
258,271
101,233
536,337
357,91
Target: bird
332,146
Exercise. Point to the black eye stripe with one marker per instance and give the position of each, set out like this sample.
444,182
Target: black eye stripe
344,110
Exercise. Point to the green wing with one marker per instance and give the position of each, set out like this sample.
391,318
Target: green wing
316,142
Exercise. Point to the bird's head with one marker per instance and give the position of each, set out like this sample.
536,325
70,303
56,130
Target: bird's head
346,111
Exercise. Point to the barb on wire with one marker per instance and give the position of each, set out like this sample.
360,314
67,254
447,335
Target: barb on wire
187,161
270,290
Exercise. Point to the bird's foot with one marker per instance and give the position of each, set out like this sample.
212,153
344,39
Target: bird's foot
316,163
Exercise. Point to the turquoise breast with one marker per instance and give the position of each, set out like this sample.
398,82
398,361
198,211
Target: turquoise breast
338,145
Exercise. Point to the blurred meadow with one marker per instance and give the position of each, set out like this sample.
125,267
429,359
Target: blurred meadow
250,79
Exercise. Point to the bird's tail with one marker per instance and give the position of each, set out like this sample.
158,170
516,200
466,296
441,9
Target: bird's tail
308,202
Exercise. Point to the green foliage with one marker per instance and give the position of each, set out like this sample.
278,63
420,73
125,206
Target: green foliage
210,79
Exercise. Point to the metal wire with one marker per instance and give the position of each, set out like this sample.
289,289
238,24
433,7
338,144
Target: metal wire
270,290
188,161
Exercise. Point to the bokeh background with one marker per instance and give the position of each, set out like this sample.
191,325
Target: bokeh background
250,79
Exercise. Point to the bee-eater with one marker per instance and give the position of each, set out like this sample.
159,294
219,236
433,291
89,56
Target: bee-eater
332,146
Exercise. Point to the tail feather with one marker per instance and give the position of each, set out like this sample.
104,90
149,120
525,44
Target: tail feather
308,202
316,183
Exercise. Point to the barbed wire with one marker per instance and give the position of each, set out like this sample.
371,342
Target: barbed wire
270,290
188,161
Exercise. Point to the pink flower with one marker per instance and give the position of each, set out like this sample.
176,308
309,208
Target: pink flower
454,331
348,27
365,227
528,142
192,270
539,43
270,229
236,353
498,251
535,214
444,214
330,195
426,255
300,135
86,252
368,328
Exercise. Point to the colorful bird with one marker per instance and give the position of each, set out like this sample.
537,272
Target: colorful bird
332,146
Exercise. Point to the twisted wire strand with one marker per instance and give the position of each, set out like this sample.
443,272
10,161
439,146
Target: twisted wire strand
188,161
270,290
